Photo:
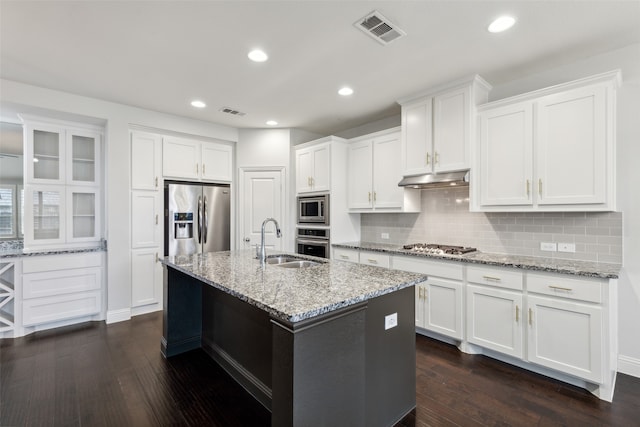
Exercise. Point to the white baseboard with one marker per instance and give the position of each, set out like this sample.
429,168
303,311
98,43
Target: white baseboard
137,311
121,315
629,365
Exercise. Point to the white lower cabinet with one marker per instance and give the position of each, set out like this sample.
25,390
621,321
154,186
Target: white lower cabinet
146,277
560,325
439,300
494,319
61,287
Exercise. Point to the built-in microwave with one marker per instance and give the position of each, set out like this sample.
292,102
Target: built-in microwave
313,209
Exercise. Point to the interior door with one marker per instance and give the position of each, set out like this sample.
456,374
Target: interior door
262,196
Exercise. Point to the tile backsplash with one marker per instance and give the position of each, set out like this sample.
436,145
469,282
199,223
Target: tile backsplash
445,219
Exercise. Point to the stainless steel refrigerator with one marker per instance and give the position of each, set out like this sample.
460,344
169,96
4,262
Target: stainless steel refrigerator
196,218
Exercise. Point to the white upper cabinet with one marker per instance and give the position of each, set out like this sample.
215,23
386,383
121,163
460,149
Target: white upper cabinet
146,161
373,173
313,168
551,150
571,149
437,127
506,155
63,178
417,137
196,160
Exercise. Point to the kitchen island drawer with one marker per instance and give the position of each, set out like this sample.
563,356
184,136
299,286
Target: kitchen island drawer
498,277
376,259
558,286
343,254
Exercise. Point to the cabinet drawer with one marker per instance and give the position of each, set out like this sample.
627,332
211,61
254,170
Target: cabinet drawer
431,268
342,254
576,289
374,258
58,282
61,307
499,277
37,264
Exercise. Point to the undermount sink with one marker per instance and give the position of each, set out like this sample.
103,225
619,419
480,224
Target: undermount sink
289,261
298,264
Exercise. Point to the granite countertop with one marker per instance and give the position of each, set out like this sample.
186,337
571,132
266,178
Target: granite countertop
552,265
292,294
17,251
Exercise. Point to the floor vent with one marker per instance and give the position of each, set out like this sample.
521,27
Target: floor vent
232,111
379,27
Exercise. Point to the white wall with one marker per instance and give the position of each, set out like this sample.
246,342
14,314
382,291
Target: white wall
118,118
626,59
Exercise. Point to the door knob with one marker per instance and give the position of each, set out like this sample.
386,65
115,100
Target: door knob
246,239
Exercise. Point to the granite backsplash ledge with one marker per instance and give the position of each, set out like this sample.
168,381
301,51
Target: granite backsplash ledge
445,219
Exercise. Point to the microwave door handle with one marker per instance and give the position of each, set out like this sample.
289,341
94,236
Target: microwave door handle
205,224
199,219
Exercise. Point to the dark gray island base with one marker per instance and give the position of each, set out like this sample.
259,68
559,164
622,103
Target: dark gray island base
338,367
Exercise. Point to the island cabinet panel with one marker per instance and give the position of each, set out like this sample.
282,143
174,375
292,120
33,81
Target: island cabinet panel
182,317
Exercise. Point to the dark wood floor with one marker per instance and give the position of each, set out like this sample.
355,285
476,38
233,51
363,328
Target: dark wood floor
93,375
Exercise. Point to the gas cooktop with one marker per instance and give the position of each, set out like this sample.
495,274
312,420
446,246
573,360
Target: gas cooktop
435,249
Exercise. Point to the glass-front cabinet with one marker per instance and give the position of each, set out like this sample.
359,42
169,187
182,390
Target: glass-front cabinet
62,166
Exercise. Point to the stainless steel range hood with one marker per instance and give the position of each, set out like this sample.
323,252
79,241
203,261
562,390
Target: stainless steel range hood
449,179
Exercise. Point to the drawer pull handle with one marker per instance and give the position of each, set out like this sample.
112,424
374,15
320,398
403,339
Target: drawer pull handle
497,279
560,288
344,256
372,261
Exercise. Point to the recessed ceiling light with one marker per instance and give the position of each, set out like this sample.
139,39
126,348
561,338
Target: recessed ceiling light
257,56
198,104
345,91
501,24
272,123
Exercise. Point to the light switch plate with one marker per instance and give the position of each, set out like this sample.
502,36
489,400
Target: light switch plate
384,236
390,321
566,247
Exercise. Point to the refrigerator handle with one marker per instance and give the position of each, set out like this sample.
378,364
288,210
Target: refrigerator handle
200,219
205,223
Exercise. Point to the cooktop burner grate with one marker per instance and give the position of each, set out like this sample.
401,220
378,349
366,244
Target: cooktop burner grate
432,248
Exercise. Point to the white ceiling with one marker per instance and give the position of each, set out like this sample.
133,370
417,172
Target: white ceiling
161,55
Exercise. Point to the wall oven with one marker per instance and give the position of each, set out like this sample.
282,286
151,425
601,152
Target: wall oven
313,241
313,210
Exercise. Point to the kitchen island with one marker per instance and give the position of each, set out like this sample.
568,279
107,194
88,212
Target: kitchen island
330,344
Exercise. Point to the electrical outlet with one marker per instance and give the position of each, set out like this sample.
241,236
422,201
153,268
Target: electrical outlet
390,321
566,247
549,247
384,235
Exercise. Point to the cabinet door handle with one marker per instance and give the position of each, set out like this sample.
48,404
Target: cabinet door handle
528,188
372,261
530,317
435,158
344,256
428,160
560,288
495,279
203,172
369,195
157,258
517,314
540,186
309,181
156,219
375,195
196,168
419,292
156,182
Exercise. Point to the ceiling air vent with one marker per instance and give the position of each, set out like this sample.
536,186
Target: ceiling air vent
379,27
232,111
